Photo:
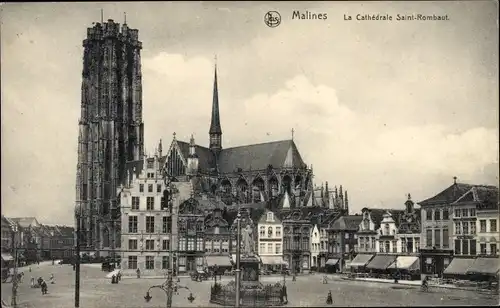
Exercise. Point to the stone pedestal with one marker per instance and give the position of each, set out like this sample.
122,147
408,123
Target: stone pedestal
249,271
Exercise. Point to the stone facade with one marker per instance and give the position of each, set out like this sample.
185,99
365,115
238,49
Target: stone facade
409,232
146,222
270,240
111,131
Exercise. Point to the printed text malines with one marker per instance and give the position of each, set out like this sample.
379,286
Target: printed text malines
306,15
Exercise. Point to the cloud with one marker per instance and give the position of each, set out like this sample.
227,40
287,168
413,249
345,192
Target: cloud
347,147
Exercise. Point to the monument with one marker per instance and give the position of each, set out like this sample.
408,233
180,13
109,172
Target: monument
252,292
249,263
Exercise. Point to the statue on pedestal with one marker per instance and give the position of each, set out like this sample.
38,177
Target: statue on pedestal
248,245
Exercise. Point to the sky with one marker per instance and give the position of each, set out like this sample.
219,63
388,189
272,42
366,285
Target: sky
383,108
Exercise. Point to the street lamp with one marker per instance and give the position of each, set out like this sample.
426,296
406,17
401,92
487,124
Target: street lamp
238,254
14,278
167,287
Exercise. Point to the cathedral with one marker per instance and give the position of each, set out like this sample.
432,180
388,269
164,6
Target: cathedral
242,174
111,147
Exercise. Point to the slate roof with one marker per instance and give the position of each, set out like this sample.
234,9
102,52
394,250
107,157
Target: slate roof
377,215
259,156
450,194
66,231
25,222
347,223
256,211
486,196
263,218
206,158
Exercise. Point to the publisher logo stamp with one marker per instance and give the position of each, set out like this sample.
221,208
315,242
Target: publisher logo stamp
272,19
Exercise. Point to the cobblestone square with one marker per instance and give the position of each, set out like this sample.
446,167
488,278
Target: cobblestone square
307,291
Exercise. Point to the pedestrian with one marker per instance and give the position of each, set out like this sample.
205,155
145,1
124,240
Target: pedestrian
329,299
32,281
29,269
138,272
52,280
43,286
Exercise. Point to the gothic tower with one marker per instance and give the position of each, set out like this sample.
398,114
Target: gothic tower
111,131
215,128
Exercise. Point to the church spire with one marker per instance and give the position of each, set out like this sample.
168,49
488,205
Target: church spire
215,128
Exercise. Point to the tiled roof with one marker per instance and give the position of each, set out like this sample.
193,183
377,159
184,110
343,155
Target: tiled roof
449,195
348,223
260,156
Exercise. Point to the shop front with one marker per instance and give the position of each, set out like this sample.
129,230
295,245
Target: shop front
358,264
377,267
433,262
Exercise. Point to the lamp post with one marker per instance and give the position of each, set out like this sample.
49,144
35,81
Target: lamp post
78,213
238,253
167,287
14,278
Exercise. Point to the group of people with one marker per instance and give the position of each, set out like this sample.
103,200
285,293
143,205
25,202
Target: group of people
42,284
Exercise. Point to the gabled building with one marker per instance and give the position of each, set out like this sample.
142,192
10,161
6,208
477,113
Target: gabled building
488,232
217,236
368,231
296,241
146,221
409,232
315,247
270,241
191,230
469,231
342,240
387,233
30,238
437,215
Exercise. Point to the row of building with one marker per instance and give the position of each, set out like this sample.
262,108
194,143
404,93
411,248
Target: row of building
33,241
459,221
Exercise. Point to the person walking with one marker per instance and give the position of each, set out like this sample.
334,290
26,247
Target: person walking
43,286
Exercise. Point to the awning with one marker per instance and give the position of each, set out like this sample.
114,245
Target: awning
381,262
218,260
361,260
484,266
7,257
272,260
459,266
332,261
406,263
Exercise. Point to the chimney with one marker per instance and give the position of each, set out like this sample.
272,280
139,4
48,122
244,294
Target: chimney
455,180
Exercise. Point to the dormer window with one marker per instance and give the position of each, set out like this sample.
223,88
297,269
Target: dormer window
150,164
270,216
386,227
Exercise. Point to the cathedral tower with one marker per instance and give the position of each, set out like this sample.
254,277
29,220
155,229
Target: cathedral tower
215,128
111,131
